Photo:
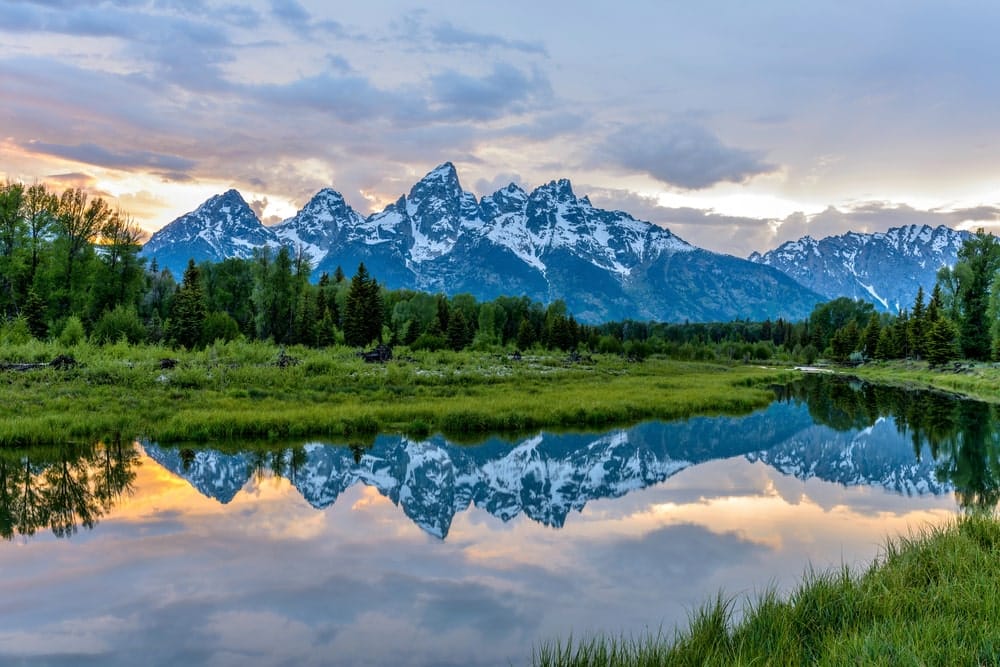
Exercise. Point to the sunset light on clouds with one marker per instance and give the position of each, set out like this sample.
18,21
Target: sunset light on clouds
735,125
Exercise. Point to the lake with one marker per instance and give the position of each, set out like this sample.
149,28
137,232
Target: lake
403,551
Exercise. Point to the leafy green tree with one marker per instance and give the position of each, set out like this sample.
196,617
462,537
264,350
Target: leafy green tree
78,225
188,311
40,209
226,285
827,318
885,348
13,255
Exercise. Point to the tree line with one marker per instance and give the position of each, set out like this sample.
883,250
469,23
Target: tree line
70,269
959,319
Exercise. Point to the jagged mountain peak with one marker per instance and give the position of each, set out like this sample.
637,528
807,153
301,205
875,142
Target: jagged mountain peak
440,181
560,190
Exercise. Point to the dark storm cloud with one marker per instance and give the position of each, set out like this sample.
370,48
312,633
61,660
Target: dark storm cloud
684,155
103,157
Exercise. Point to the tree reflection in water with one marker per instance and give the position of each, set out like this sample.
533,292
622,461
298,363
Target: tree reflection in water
64,487
963,435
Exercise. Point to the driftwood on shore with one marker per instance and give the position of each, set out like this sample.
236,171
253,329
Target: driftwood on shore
379,355
61,362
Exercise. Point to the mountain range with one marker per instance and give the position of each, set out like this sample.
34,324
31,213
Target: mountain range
548,476
549,244
885,268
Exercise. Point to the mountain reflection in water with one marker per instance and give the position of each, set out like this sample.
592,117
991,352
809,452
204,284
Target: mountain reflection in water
911,443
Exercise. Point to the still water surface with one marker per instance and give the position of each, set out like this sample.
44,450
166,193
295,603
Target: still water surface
414,552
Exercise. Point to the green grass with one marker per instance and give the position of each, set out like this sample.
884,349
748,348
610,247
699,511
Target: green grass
931,599
235,390
975,380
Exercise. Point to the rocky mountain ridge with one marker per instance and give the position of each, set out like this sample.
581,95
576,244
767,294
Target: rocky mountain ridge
885,268
547,244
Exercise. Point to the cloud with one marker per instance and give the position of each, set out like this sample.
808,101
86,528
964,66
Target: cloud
485,187
258,206
705,228
181,50
296,17
983,214
682,154
100,156
447,34
76,179
449,96
506,89
864,217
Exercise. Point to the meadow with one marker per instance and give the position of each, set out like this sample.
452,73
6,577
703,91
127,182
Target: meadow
241,389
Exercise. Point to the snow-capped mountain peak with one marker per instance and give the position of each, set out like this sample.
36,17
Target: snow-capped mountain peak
886,268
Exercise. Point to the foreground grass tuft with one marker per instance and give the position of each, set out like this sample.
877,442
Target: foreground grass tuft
931,599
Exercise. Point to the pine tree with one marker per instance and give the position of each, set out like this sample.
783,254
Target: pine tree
458,331
942,342
188,310
363,311
935,307
870,337
34,313
918,327
981,256
525,334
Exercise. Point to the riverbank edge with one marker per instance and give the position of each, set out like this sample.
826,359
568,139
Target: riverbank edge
974,380
929,598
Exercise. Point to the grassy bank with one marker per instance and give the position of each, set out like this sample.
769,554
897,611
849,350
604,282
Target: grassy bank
930,600
975,380
237,390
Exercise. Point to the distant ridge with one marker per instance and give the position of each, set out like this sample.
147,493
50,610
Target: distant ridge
885,268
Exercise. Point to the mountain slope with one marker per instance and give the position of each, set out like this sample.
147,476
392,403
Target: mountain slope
884,268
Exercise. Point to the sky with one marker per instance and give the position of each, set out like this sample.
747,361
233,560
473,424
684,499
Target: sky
736,125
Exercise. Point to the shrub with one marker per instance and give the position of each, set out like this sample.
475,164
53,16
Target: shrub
15,332
429,342
72,332
220,326
121,323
